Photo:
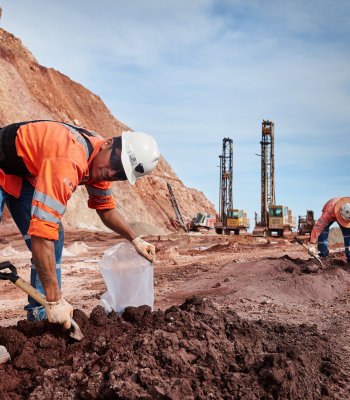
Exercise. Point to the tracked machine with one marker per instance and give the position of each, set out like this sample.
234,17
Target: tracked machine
306,223
229,219
203,222
275,220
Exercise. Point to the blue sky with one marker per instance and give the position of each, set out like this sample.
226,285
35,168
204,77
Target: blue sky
194,72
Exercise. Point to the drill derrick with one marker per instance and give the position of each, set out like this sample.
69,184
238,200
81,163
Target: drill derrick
226,163
275,220
179,220
229,219
267,169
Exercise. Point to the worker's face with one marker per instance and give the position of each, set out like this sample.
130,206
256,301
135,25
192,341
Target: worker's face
105,168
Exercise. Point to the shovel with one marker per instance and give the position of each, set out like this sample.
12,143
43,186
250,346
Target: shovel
305,247
39,297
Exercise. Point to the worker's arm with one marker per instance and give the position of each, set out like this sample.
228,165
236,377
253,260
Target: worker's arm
116,222
57,309
43,253
321,224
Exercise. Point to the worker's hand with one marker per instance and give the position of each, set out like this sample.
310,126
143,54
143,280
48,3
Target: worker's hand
144,248
312,250
59,312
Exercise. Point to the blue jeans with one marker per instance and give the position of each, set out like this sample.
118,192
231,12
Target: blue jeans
20,210
322,244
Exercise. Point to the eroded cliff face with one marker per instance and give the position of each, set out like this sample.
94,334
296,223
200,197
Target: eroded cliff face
30,91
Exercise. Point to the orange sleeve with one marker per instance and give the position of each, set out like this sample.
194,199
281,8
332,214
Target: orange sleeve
327,217
56,180
100,196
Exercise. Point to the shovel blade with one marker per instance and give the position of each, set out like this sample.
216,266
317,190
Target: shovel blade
76,332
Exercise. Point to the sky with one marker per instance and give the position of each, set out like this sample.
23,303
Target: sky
192,72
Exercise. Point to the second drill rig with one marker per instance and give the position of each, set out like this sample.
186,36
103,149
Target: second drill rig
275,220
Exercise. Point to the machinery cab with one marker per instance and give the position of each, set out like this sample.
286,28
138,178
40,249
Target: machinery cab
203,220
280,221
237,221
306,223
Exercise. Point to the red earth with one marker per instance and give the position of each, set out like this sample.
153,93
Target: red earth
234,318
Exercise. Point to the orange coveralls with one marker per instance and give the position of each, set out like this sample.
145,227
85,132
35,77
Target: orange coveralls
327,218
320,231
56,156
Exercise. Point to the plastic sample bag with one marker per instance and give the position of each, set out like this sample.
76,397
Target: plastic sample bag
128,277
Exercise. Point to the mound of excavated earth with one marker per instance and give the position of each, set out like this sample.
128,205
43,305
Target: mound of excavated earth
191,351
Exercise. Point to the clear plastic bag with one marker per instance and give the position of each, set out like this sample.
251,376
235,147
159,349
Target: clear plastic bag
128,277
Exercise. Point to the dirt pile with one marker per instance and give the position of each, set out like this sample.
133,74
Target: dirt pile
190,351
31,91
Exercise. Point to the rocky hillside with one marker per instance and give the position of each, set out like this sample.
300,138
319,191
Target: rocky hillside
30,91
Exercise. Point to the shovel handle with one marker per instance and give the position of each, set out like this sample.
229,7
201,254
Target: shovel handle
317,258
32,292
302,243
39,297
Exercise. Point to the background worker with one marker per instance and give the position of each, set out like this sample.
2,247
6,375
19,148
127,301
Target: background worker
336,209
41,165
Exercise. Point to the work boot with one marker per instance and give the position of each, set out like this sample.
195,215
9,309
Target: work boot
4,355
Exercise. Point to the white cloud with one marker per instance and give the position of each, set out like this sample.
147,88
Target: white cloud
194,72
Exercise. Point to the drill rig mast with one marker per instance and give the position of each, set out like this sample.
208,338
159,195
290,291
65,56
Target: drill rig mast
274,219
226,164
267,169
179,218
229,219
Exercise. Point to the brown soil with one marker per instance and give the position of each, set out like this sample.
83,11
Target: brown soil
235,318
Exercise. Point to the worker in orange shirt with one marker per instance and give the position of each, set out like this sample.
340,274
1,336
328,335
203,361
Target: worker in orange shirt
41,165
336,209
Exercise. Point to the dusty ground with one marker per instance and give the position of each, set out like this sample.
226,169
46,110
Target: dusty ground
266,323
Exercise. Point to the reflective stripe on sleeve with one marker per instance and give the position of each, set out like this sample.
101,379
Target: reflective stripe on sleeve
50,202
98,192
44,215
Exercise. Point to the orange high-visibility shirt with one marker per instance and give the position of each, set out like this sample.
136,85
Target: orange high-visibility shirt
327,217
57,158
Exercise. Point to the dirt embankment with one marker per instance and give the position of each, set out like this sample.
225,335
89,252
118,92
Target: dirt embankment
30,91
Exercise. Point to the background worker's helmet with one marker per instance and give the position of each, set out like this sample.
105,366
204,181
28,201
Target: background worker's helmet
140,154
342,211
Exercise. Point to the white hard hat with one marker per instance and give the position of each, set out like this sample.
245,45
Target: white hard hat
345,211
140,154
342,211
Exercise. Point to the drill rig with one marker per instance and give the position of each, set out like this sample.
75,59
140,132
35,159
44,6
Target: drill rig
179,220
229,219
275,220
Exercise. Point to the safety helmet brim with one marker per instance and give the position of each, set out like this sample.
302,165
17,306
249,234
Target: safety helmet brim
337,210
125,157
